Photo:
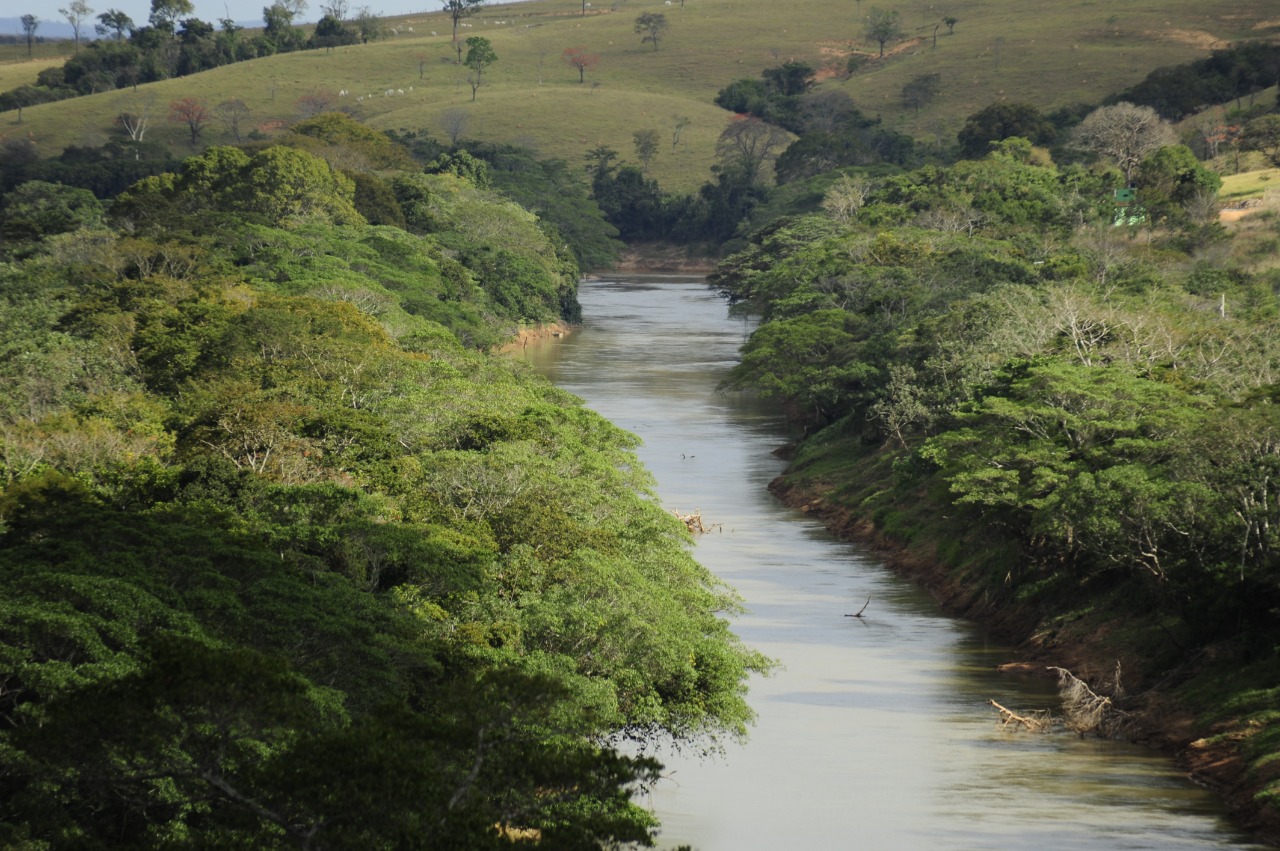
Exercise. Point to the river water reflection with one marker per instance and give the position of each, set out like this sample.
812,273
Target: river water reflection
876,733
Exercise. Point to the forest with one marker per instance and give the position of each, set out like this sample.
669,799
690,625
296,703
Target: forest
294,559
291,560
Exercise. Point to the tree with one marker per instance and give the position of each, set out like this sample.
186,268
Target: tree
577,57
113,21
314,102
1124,133
1001,121
457,10
921,90
231,112
653,25
191,112
369,25
882,27
679,123
646,142
846,196
336,9
480,56
279,29
951,21
747,144
136,117
455,122
75,13
30,23
165,14
1263,134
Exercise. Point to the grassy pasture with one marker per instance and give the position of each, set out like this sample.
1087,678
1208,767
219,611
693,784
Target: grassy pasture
23,72
1050,55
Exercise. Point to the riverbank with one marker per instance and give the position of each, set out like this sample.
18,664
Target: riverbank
535,333
660,258
1087,646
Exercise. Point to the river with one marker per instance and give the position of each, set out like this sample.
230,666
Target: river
875,733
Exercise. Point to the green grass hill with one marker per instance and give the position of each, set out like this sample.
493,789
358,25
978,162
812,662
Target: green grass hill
1047,54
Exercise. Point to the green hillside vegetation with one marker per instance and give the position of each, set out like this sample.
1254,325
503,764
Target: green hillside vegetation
1077,420
23,72
1052,56
290,559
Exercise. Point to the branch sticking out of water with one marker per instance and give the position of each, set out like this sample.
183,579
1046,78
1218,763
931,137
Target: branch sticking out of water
1039,721
1089,712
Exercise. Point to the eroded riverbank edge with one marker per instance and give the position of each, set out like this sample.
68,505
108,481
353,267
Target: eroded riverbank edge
1209,761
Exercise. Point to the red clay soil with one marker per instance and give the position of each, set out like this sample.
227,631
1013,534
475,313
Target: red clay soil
1217,765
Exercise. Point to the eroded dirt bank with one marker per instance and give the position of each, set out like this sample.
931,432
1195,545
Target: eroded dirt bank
1209,761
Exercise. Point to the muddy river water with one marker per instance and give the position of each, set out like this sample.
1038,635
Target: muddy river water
875,733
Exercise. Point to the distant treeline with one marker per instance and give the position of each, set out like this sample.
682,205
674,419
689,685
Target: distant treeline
1182,90
166,50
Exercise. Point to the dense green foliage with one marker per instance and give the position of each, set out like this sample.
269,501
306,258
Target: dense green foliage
1226,75
546,187
1078,417
289,564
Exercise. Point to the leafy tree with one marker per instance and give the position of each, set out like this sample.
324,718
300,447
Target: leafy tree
480,56
370,25
646,144
921,90
331,32
579,59
191,112
882,27
789,79
279,31
30,23
748,144
114,21
1263,134
653,25
165,14
458,11
951,21
76,12
1001,121
37,210
1173,186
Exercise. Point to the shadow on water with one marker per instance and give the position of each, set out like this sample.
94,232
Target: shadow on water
876,732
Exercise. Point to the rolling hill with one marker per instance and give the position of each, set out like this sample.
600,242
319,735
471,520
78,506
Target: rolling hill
1050,55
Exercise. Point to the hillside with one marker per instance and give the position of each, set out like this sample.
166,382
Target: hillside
1051,56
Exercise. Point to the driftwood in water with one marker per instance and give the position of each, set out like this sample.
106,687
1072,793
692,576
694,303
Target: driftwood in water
693,522
860,611
1037,722
1090,712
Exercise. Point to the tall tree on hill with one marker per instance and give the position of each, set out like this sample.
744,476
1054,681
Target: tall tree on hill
165,14
882,27
578,58
921,90
75,12
191,112
480,56
646,142
113,21
653,25
457,10
30,23
747,144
